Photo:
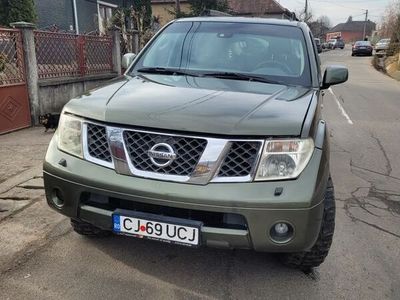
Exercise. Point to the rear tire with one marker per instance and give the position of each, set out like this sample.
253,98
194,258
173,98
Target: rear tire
87,229
310,259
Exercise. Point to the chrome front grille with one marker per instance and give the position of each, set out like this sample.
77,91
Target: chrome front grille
188,152
194,160
240,160
97,142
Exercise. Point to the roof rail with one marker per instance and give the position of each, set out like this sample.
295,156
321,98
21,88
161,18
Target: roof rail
214,13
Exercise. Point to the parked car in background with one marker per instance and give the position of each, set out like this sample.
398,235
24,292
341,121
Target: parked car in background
325,45
335,44
318,44
339,44
362,48
382,45
331,43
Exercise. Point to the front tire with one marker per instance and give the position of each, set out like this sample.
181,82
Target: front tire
87,229
313,258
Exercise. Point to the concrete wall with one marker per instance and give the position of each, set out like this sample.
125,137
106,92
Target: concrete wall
55,93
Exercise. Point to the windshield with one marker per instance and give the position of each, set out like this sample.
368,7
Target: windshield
384,41
277,53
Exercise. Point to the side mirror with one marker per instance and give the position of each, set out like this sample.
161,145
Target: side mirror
334,75
127,59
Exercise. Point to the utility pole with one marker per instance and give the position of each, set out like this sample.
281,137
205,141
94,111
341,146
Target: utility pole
365,23
306,11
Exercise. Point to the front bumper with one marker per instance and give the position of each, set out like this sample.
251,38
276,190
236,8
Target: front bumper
300,204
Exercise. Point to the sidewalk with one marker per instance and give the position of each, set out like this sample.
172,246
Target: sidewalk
21,157
25,218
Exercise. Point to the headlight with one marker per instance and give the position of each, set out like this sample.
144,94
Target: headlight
70,135
284,159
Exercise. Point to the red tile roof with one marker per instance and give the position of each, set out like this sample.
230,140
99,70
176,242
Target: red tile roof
257,7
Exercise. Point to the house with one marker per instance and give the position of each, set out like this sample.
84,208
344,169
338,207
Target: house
80,16
248,8
164,10
351,31
260,8
85,16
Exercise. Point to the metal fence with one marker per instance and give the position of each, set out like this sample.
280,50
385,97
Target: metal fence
69,55
97,54
11,57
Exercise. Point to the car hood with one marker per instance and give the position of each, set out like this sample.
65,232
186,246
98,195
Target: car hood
198,105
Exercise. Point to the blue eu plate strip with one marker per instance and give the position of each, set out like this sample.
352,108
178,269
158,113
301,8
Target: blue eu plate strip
117,225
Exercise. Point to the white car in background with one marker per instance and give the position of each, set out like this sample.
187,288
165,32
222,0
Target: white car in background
382,45
332,43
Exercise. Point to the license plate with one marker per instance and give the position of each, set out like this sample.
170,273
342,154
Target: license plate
363,47
155,227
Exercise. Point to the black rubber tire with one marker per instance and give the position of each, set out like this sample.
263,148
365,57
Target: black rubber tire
316,256
87,229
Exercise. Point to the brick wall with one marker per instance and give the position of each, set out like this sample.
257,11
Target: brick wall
347,36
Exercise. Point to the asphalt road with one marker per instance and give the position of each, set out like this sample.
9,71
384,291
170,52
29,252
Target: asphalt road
364,263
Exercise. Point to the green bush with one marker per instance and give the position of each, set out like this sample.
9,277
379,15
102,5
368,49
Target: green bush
16,11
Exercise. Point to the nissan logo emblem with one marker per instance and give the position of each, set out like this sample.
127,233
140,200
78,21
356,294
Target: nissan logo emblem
161,155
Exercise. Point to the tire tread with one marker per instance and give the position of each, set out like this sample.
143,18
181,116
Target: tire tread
310,259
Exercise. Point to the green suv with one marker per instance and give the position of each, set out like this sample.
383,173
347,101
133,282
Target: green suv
212,137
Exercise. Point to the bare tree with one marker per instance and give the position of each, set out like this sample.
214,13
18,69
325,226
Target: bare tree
389,19
325,21
304,16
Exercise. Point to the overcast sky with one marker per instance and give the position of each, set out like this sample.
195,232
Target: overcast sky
339,10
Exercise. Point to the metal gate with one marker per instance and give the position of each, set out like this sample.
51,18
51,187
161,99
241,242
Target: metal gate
14,103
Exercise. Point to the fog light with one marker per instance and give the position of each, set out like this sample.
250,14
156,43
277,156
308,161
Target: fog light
281,228
281,232
57,198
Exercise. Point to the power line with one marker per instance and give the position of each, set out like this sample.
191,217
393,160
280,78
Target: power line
337,4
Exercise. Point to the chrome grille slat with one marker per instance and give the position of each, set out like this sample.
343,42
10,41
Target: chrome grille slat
240,160
188,152
97,142
197,159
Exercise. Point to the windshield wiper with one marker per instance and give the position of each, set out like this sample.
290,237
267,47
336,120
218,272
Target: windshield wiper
166,71
242,76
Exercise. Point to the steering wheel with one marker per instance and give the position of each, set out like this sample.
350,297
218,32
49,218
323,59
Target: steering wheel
280,65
